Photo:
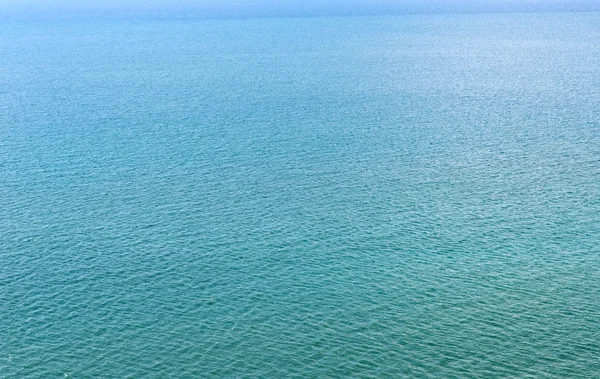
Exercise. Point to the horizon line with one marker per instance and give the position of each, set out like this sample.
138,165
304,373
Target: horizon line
187,15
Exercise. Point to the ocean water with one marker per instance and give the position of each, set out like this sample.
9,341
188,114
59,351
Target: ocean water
399,196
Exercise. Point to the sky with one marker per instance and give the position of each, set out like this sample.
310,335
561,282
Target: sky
253,8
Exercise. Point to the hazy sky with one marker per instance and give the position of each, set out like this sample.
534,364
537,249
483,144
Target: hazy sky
231,8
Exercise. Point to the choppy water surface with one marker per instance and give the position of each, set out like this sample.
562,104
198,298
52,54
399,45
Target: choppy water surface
410,196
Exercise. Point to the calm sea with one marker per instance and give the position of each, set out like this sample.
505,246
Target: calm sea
407,196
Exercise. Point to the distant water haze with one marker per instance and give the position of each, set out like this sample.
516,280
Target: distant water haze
257,8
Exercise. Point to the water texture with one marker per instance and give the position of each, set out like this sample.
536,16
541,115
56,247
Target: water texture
406,196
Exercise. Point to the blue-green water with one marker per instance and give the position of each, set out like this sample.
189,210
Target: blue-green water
407,196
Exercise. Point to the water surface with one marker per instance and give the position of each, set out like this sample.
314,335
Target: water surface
407,196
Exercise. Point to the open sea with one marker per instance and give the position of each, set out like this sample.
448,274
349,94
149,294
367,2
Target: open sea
413,196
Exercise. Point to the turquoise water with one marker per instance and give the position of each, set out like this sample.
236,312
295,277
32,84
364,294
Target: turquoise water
407,196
